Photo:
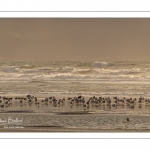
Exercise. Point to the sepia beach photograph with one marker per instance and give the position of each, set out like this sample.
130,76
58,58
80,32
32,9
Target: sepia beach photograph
74,75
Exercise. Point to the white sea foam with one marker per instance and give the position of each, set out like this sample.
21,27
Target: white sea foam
9,69
67,69
99,64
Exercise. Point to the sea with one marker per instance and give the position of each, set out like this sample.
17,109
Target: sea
75,78
64,79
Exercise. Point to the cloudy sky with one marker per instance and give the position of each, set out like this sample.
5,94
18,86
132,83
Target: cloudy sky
51,39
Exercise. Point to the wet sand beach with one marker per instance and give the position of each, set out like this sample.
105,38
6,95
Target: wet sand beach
74,114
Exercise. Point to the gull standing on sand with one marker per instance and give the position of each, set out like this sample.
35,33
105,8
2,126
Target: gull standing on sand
127,119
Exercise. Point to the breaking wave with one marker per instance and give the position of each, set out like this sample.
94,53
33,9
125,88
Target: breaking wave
9,69
98,64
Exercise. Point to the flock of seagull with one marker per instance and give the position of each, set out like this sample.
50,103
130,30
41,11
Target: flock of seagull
107,101
74,101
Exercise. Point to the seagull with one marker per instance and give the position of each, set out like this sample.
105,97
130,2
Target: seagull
127,119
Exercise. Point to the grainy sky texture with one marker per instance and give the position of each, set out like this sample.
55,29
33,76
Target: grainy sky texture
69,39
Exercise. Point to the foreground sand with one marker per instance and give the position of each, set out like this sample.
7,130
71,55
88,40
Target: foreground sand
77,130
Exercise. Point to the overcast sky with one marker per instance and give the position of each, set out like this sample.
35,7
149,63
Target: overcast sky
74,39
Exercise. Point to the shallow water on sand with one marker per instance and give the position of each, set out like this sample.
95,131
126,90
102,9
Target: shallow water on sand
49,107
